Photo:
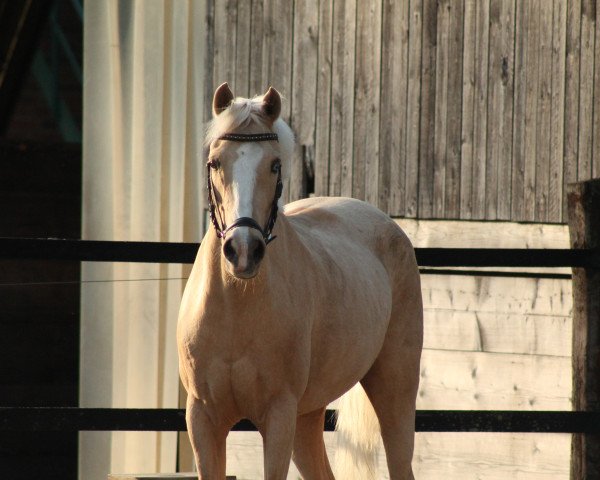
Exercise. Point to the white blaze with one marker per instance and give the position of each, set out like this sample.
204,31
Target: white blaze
244,178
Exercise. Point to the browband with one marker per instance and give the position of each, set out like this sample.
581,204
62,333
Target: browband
249,137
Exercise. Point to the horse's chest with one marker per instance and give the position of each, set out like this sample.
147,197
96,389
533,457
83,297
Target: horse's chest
246,366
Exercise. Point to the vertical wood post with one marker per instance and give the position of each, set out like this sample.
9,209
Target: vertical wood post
584,230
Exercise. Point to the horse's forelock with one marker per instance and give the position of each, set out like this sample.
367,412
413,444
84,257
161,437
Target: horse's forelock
241,112
244,111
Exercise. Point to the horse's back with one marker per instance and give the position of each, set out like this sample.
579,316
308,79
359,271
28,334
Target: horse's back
324,209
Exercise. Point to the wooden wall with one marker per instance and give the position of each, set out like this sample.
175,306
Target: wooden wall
447,109
499,343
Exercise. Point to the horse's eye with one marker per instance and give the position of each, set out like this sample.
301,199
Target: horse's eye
214,163
276,166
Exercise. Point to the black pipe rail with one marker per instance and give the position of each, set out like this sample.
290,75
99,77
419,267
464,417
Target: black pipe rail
165,252
168,420
113,419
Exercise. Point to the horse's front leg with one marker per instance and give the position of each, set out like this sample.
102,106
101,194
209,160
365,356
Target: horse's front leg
278,431
208,439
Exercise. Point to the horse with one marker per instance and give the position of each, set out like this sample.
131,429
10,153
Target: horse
289,307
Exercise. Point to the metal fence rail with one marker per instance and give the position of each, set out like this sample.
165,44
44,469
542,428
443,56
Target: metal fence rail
168,420
112,419
163,252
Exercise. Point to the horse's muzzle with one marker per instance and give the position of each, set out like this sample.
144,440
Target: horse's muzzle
244,249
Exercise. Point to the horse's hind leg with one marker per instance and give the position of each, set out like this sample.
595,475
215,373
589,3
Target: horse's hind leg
393,381
309,448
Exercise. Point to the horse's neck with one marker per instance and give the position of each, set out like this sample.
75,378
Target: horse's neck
282,277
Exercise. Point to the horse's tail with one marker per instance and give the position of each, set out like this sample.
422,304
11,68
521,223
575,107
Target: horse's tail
358,435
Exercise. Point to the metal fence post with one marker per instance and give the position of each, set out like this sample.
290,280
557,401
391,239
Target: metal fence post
584,229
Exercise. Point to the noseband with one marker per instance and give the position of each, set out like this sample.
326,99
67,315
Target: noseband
220,227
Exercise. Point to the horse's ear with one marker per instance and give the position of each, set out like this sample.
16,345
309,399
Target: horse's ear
272,104
222,98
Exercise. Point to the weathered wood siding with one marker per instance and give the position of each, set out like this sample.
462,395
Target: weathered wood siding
448,109
493,343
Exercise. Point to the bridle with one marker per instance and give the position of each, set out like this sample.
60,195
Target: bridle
220,227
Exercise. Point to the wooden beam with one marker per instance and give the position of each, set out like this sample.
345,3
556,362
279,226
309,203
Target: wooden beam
584,227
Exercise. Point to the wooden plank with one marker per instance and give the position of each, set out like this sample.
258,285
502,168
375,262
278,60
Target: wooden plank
500,107
209,61
452,456
448,455
277,45
494,134
413,108
277,64
492,456
342,107
257,84
225,17
480,114
457,234
428,109
304,92
519,141
596,96
390,96
571,127
243,48
323,98
586,89
468,109
366,101
506,70
498,295
445,233
497,332
531,111
392,130
480,381
557,125
454,110
441,107
543,126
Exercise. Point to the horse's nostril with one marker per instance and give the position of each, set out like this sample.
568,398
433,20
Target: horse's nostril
229,251
259,251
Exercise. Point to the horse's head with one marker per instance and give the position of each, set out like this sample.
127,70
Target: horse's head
249,147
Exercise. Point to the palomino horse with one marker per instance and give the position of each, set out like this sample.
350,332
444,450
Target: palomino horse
284,313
